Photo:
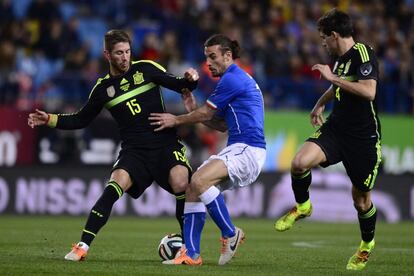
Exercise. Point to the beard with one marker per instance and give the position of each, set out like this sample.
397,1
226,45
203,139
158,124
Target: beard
120,68
215,73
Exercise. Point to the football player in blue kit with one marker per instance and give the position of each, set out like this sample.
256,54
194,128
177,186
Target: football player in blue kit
235,105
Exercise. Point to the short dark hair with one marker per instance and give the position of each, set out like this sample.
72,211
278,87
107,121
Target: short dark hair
226,44
336,21
113,37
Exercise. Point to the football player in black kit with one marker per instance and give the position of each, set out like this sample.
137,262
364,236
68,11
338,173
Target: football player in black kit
351,134
130,91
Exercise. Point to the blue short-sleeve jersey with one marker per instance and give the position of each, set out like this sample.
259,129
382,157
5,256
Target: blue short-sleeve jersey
237,98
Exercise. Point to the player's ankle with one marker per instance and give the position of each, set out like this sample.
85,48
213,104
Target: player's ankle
194,256
367,245
304,207
83,245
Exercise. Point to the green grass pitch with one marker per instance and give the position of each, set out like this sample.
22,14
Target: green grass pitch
128,246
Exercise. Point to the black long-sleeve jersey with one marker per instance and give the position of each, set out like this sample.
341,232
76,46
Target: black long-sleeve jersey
354,115
130,98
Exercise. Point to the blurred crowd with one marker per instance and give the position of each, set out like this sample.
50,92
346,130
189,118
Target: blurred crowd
51,50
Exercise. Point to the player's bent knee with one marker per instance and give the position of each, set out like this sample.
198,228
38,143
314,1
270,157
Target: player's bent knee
178,178
179,186
298,165
362,206
197,183
122,178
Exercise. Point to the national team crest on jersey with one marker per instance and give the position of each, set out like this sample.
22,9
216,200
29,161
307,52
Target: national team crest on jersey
110,91
138,77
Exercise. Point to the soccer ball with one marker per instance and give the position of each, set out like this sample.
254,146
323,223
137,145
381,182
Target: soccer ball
169,246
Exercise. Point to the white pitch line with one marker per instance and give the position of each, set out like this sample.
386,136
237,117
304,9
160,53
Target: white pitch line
312,244
320,244
395,249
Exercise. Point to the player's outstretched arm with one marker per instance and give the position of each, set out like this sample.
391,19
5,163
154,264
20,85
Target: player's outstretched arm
190,104
38,118
167,120
161,77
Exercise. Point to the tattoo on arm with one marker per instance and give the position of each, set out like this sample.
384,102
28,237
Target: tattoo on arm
217,123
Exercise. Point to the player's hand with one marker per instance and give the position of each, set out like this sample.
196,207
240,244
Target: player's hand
162,120
189,100
37,118
325,71
191,75
316,116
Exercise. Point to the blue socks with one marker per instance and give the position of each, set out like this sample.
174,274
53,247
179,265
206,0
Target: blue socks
195,216
214,201
193,227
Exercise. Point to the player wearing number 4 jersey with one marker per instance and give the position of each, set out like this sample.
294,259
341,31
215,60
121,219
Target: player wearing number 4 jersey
350,135
131,91
236,105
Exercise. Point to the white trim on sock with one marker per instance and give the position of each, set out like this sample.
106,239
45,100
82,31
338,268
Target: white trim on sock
194,207
84,246
208,196
191,231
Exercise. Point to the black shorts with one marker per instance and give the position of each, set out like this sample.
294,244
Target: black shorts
147,165
360,157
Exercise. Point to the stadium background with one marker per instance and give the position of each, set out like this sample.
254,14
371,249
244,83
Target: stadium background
50,58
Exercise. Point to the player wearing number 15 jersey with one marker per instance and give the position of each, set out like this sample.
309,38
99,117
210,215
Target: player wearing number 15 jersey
130,92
